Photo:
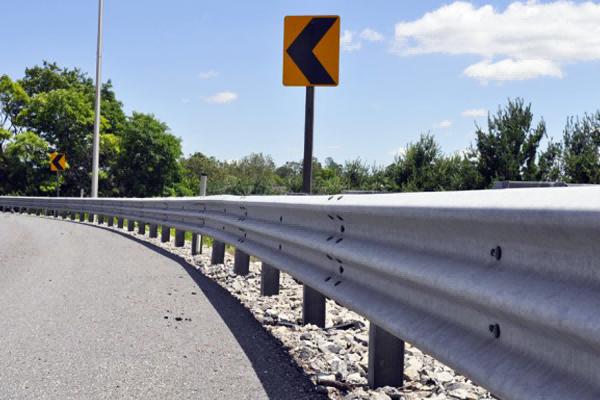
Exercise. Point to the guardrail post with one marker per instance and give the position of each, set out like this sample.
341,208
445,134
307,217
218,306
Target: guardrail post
46,212
179,238
313,309
55,213
72,215
153,230
386,358
91,218
64,214
241,263
196,244
218,252
100,219
120,222
38,212
165,235
130,225
81,216
141,228
269,282
197,238
111,221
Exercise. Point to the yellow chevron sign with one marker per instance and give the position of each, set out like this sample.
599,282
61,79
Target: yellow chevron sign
58,161
311,50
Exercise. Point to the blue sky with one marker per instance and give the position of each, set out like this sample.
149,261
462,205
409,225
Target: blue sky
212,69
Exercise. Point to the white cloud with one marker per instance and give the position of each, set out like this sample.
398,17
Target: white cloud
347,42
478,112
223,97
444,124
185,100
371,35
208,74
399,152
509,70
523,41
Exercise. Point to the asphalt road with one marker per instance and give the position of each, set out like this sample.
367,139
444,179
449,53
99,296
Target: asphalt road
87,313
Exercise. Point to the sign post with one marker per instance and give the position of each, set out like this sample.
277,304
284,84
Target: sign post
58,162
311,57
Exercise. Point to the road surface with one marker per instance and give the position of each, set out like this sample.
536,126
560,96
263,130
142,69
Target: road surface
86,313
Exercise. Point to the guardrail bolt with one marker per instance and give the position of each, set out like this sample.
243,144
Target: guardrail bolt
386,358
269,282
496,252
495,329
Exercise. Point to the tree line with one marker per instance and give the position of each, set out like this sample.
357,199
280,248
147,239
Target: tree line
52,109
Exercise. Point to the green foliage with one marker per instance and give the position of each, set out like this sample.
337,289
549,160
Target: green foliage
581,141
148,160
52,109
26,158
508,150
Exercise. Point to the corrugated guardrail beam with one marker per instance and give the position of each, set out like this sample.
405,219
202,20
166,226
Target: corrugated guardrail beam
503,285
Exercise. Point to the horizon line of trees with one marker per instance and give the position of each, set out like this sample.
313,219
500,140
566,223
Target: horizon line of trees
52,109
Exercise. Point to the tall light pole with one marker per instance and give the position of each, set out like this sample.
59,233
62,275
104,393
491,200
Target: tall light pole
96,156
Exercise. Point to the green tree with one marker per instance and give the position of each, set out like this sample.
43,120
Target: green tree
27,161
416,169
508,150
581,141
148,163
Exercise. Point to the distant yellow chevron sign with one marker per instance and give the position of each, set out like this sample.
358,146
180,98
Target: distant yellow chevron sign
58,161
311,50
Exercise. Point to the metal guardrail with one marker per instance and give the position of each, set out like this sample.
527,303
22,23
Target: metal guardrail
532,184
501,285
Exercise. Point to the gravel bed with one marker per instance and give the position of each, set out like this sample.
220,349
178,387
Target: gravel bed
335,358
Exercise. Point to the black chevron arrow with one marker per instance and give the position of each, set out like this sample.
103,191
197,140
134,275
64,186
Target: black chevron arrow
301,51
56,162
